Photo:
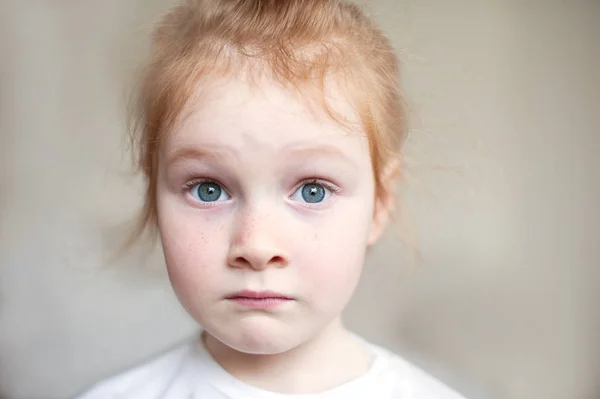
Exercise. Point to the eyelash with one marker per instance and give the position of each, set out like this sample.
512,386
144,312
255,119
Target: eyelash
192,183
313,180
187,188
332,188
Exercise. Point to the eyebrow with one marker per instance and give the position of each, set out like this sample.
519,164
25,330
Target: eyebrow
326,151
190,153
213,152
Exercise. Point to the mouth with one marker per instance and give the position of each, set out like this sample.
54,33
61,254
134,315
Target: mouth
259,299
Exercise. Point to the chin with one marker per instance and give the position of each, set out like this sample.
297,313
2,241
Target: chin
260,346
258,336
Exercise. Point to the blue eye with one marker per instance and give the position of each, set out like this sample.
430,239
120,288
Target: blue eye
209,191
311,193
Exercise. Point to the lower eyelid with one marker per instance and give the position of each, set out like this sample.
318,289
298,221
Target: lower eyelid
332,188
187,190
331,191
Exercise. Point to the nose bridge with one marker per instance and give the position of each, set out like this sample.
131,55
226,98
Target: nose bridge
256,240
253,221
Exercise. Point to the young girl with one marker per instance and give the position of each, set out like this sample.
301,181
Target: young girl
269,133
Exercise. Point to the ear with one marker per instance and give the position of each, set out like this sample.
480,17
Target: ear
384,201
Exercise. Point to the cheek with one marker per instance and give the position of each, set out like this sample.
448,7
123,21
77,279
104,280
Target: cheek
194,252
334,262
337,268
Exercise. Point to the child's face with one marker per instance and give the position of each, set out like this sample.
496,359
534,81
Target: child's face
256,193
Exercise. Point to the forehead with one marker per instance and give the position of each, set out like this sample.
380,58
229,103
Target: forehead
239,113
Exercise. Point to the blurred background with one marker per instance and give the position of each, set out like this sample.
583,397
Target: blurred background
503,196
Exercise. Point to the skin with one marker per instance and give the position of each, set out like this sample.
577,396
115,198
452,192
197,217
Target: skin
260,148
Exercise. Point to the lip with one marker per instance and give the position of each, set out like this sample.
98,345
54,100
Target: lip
259,299
259,295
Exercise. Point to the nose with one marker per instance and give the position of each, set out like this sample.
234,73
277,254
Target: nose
256,244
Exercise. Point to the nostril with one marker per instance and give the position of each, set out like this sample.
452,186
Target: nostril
278,260
242,261
258,261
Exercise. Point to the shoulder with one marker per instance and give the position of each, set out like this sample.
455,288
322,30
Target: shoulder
410,380
148,378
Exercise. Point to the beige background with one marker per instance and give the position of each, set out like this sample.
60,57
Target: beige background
505,142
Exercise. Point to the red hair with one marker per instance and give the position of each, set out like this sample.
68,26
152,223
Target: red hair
297,43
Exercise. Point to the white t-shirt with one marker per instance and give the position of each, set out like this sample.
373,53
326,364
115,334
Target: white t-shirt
189,372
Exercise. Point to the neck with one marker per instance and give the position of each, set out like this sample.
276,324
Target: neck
327,360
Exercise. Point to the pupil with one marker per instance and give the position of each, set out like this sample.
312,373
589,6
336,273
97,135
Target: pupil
313,193
209,192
